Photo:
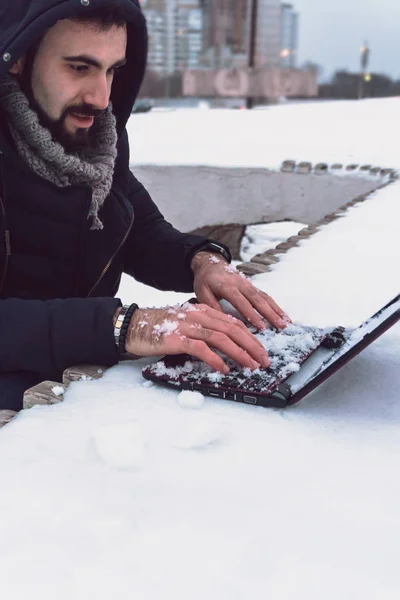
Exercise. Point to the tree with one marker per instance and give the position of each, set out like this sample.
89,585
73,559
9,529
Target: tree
314,67
346,85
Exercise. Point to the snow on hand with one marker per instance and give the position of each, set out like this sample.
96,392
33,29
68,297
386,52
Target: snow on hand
286,349
167,327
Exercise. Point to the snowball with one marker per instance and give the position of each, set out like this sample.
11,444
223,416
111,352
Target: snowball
188,399
120,445
58,390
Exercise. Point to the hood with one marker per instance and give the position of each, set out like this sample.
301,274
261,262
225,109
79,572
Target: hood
24,22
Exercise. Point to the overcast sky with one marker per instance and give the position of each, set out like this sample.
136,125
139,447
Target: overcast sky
333,31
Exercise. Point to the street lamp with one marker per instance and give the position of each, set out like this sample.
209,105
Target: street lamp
253,44
364,76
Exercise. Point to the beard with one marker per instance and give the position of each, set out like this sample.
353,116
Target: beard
81,140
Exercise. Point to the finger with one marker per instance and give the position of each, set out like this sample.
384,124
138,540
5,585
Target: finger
243,338
221,342
200,350
240,302
206,296
274,305
205,316
266,307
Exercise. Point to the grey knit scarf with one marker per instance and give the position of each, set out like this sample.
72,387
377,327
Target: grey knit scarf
93,165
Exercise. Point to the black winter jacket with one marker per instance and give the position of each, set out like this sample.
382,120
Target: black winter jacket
58,278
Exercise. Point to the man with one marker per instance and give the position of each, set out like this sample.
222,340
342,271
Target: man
73,217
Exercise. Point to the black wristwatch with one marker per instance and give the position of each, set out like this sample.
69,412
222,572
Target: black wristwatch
214,248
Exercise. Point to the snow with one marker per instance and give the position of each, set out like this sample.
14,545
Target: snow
214,260
119,492
166,328
346,272
286,350
199,434
191,400
260,238
58,390
120,445
345,132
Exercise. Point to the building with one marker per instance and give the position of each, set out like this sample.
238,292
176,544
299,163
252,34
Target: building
226,25
268,45
189,34
176,34
289,36
156,17
227,32
215,34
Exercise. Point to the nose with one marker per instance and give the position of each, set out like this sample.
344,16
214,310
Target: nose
98,93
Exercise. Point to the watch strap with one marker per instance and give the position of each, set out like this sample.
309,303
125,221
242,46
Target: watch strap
215,248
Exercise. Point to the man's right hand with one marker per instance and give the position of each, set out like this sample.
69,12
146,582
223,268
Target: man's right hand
195,330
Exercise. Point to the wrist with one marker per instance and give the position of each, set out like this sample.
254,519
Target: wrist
212,249
116,315
122,318
206,258
141,323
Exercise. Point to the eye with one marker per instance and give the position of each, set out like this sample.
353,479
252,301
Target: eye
117,71
78,68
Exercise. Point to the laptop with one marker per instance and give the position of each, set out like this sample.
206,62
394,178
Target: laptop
301,359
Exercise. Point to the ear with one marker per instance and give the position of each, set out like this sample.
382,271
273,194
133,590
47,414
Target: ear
18,67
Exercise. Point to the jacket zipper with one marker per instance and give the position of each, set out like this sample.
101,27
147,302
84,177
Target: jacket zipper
108,265
7,239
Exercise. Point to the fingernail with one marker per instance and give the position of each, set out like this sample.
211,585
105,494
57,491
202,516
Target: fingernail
261,325
255,365
286,318
282,323
226,369
265,362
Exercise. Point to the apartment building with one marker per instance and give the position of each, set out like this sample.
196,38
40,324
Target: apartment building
175,34
215,34
289,36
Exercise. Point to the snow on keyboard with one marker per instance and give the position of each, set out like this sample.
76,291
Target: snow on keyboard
287,350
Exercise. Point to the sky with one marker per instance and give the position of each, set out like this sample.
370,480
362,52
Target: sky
332,33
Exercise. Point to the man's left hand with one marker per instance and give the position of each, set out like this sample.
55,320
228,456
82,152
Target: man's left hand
215,279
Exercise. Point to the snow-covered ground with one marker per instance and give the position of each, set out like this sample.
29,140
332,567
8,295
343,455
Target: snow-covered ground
365,132
259,238
125,491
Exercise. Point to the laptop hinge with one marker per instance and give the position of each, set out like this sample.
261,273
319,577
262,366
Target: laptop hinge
282,394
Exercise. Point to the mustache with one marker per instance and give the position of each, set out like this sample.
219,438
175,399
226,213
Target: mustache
84,110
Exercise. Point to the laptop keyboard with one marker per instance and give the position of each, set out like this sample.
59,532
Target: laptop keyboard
287,350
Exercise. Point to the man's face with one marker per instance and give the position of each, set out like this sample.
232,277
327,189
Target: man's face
71,78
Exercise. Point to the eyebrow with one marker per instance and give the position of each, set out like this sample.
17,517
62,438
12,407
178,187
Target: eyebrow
89,60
